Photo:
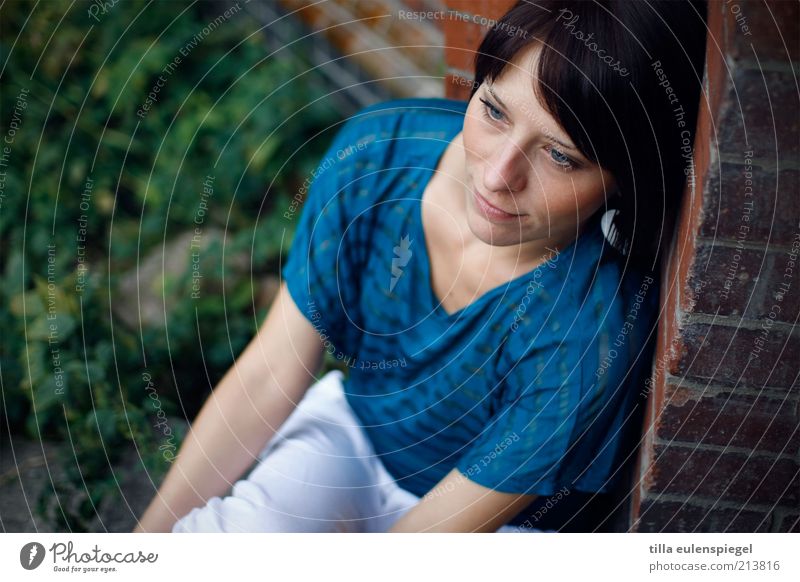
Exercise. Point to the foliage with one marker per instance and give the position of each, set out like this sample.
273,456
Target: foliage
91,187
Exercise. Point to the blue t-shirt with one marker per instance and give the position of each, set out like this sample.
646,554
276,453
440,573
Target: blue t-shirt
528,389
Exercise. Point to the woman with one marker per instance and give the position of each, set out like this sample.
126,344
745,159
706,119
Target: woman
485,273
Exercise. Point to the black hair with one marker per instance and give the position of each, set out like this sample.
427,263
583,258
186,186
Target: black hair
623,79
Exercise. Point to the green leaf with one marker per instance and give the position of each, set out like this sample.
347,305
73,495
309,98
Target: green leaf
49,392
105,421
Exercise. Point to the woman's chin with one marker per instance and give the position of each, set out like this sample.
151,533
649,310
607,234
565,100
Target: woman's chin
499,235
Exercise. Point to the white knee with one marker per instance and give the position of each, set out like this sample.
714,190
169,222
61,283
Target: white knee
295,489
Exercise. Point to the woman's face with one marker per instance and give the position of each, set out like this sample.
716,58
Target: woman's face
525,180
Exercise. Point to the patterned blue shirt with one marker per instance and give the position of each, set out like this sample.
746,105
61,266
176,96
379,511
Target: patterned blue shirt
531,388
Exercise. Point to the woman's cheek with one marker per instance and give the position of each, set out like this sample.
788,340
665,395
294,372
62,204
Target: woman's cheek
594,188
559,193
471,124
475,141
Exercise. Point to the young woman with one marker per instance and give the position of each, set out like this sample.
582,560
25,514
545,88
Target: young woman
486,274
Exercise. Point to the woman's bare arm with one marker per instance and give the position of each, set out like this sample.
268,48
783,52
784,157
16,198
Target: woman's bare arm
457,504
250,403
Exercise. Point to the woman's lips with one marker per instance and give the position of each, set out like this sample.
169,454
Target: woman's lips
492,211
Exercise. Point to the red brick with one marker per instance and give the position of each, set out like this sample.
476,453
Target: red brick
460,58
773,28
373,14
743,109
457,87
683,248
774,199
669,516
461,41
721,353
711,273
423,5
729,419
752,292
728,476
675,272
759,112
463,34
493,9
716,66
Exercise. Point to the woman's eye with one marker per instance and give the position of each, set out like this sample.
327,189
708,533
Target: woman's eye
560,158
492,111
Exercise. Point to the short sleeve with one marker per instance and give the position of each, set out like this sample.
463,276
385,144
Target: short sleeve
319,270
525,444
568,416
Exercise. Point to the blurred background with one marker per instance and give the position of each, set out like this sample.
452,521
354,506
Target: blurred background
150,150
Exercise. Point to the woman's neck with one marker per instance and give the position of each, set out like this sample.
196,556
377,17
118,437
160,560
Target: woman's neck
506,261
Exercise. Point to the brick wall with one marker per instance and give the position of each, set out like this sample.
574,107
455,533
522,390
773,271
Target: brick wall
721,442
403,55
462,35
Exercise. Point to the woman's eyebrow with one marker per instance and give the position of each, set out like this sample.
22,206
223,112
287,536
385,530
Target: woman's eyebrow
562,144
499,101
549,133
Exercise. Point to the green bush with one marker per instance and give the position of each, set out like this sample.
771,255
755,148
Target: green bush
93,183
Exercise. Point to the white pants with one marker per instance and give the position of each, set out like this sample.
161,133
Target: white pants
318,473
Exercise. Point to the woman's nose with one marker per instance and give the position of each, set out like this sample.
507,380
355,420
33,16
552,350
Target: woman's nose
506,170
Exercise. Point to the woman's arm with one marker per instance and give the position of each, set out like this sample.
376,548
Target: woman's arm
250,403
457,504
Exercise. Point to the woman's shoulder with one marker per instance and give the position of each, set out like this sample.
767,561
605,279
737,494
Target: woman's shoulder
381,139
382,122
371,147
411,107
586,291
